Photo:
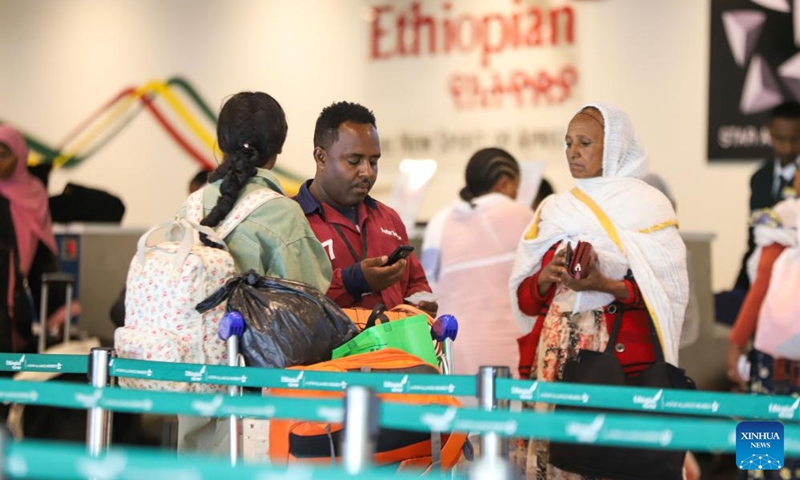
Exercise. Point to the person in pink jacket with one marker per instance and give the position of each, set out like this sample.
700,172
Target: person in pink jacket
477,238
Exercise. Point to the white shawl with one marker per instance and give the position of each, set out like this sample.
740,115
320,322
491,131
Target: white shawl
639,216
776,332
773,225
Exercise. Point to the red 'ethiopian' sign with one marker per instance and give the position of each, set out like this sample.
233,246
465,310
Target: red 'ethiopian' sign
417,30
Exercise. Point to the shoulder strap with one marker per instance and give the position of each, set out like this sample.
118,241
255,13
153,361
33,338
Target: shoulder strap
533,229
605,222
194,206
611,230
244,208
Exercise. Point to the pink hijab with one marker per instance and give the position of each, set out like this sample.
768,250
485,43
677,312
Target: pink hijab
30,210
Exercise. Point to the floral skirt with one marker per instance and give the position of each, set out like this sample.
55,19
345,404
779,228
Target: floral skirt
563,335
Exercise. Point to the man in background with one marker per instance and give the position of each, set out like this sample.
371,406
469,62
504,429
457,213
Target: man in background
772,182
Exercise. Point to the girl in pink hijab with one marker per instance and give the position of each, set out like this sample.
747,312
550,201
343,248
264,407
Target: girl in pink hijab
27,204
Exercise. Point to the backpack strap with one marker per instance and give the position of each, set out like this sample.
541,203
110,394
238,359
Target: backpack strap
244,208
194,206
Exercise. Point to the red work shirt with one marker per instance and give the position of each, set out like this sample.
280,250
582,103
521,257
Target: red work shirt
378,232
634,348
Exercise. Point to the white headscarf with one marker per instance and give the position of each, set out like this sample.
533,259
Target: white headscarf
641,216
623,154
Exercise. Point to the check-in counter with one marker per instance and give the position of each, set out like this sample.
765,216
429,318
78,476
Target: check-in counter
98,256
704,359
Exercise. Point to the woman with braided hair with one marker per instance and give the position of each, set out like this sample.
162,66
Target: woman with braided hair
275,240
477,237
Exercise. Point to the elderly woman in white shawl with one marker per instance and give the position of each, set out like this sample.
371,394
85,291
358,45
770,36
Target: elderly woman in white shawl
639,264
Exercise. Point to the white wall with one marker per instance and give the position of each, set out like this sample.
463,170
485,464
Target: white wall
651,58
62,60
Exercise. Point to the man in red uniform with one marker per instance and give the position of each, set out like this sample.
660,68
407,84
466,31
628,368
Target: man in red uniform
357,231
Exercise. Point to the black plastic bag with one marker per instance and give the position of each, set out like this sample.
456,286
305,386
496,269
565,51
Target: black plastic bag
288,323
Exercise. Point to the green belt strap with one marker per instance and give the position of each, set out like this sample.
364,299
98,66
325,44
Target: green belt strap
675,433
34,362
77,396
686,402
36,459
608,429
636,399
628,398
462,385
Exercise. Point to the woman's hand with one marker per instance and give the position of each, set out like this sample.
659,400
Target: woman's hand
595,281
732,365
553,273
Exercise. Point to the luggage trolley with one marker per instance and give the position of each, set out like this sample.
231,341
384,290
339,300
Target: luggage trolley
444,331
47,278
231,328
252,443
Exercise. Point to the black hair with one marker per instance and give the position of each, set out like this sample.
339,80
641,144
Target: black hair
545,190
484,169
326,131
200,178
790,109
250,131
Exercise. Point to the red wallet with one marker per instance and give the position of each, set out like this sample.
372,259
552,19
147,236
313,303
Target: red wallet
578,259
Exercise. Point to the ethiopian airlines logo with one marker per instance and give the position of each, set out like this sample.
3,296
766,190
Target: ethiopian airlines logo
648,403
785,412
396,387
525,393
586,432
16,364
293,382
195,376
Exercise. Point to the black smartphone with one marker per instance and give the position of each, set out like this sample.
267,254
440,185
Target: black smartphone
400,252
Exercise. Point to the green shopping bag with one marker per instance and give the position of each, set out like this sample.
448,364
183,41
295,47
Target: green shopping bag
410,334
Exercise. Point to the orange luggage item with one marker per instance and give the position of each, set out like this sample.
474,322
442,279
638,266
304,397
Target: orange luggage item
304,441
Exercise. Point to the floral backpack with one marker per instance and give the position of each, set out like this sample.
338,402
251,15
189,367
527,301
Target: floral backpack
170,274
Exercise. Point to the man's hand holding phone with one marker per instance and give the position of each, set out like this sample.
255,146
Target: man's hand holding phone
401,252
383,272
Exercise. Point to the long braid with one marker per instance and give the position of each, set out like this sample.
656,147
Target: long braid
251,130
242,166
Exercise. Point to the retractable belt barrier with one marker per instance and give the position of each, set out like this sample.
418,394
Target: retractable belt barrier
684,402
713,404
38,362
77,396
36,459
606,429
460,385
